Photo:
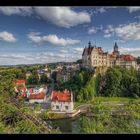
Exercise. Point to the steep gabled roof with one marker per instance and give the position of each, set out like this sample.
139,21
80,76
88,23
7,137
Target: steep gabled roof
19,81
64,96
83,51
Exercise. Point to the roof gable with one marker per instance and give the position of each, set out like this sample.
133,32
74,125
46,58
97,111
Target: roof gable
64,96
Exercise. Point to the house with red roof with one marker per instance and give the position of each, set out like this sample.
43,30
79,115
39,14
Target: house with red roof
19,82
19,86
37,98
62,101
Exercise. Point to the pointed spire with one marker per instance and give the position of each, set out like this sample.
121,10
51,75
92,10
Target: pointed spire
116,48
89,44
116,44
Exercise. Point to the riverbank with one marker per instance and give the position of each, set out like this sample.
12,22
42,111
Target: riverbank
85,108
103,118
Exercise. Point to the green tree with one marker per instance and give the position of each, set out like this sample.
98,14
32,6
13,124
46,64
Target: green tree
44,79
33,80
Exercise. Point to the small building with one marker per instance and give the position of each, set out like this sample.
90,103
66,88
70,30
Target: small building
35,90
48,74
62,101
19,86
63,76
28,73
37,98
22,89
19,82
40,73
21,95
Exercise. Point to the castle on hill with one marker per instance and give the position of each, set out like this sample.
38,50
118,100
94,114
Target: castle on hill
94,57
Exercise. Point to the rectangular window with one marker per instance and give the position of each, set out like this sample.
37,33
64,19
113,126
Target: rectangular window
57,107
66,107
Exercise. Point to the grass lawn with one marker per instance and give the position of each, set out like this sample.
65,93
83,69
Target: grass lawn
111,100
76,104
114,99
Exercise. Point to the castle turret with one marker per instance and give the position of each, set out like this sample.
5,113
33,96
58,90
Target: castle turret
116,49
89,44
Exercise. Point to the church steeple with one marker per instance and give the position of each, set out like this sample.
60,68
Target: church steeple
115,47
89,44
116,51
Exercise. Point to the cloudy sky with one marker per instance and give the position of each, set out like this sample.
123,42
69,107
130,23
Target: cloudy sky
51,34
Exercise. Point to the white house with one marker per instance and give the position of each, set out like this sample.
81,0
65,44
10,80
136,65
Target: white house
62,101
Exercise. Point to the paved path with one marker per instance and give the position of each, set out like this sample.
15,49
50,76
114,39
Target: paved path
51,88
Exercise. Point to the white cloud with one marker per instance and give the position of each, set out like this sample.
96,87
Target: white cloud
129,31
133,9
120,41
36,58
137,17
64,51
53,39
101,10
107,35
129,49
60,16
77,50
132,51
92,30
13,10
63,16
6,36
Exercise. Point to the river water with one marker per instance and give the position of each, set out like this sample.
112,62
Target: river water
67,126
71,125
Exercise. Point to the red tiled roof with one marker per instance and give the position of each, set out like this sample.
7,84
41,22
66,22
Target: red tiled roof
22,95
19,81
22,88
99,50
128,57
40,95
112,55
64,96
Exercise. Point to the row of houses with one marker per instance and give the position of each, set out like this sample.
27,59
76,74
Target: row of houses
40,73
60,101
33,94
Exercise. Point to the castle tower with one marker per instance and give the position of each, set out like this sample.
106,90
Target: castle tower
116,49
89,44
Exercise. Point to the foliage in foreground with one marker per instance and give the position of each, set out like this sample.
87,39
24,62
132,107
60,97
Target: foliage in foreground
123,121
